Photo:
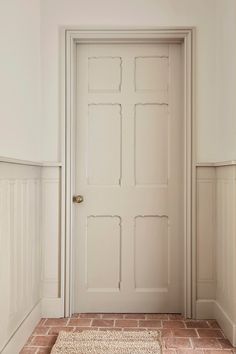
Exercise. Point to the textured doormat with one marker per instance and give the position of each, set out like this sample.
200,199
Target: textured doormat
108,342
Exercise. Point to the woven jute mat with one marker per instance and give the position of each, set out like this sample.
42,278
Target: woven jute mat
108,342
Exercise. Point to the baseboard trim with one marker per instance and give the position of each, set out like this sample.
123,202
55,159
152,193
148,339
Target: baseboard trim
225,322
52,307
207,309
20,336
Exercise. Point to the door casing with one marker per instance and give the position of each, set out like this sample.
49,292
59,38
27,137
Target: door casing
70,37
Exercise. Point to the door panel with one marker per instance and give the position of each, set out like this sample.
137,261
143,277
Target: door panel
128,246
151,160
104,150
151,253
103,267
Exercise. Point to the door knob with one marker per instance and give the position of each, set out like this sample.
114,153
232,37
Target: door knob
78,199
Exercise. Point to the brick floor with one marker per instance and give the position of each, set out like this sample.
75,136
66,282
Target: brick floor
179,335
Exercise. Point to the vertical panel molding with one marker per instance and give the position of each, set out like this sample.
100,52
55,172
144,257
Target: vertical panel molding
206,237
216,245
51,207
20,245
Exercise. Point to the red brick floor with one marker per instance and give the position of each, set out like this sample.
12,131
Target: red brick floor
179,335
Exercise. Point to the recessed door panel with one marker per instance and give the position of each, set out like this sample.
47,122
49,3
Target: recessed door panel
151,73
103,253
104,144
104,74
151,143
151,252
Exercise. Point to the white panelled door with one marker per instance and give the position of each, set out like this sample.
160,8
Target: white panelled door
128,247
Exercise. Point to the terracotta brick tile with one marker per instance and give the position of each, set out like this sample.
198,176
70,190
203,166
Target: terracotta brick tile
214,333
56,322
225,343
126,323
190,351
135,316
102,323
213,324
157,316
29,340
113,315
56,330
41,330
205,343
44,350
166,332
110,329
196,324
28,351
150,323
44,341
178,335
41,322
176,316
134,329
178,343
81,329
80,322
182,332
90,315
219,351
173,324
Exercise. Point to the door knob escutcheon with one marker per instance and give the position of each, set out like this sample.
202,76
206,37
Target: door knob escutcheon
78,199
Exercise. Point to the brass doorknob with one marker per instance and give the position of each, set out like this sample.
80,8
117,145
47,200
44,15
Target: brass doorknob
78,199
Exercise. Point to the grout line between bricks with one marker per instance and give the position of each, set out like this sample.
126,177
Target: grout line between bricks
191,343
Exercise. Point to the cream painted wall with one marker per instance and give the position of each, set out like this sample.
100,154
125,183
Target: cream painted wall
212,18
20,121
226,71
21,111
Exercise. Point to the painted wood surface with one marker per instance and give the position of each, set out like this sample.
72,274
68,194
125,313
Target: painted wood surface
129,234
20,245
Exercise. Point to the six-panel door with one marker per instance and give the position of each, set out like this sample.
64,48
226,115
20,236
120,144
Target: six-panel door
128,247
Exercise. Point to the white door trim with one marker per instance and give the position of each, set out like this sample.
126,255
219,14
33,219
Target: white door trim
70,38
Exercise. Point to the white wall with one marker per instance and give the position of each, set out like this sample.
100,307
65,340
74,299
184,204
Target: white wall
215,105
20,121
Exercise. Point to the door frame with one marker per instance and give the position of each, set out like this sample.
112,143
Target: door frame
70,38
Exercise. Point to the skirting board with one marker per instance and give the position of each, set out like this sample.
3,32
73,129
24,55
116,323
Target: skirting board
21,335
207,309
228,326
52,307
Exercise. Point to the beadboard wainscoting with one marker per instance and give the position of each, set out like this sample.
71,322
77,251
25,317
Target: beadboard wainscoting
52,281
20,252
206,240
30,248
216,245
